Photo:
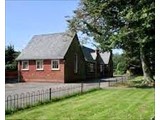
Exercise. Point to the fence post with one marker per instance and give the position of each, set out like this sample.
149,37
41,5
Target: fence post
99,83
7,102
81,87
109,83
14,103
50,94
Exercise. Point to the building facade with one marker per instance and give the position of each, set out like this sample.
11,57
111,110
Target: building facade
59,57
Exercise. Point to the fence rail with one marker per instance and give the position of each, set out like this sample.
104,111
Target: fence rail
23,100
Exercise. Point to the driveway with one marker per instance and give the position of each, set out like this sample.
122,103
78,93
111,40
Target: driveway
18,88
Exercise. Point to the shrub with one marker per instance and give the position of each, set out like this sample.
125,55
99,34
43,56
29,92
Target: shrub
11,67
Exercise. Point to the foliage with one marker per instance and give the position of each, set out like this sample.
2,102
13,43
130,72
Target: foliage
120,68
10,56
128,25
134,82
139,82
119,64
11,67
130,104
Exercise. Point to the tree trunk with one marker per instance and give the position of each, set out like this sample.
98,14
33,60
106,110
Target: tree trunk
147,74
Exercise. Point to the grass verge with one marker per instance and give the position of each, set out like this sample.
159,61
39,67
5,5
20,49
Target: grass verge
108,104
55,99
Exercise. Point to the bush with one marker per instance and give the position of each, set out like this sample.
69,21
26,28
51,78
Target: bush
11,67
119,64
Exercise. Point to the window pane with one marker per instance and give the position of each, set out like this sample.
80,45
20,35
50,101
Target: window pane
52,64
55,64
101,68
24,64
91,67
39,64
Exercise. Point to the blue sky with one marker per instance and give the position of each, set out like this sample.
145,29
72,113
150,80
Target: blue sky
27,18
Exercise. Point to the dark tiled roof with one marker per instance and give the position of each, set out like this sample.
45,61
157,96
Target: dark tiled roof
87,54
90,55
55,46
47,46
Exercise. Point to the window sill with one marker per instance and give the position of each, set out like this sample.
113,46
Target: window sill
91,72
55,69
39,69
25,69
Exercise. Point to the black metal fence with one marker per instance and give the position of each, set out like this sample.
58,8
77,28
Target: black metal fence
24,100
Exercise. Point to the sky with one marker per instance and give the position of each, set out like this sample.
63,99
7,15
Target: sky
24,19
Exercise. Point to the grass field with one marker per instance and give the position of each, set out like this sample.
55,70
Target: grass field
108,104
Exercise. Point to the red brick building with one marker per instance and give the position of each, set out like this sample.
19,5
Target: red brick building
59,57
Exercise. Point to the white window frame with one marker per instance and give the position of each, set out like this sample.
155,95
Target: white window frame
52,65
101,68
41,61
91,67
76,63
27,64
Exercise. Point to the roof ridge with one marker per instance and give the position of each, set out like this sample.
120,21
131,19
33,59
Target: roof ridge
46,34
87,47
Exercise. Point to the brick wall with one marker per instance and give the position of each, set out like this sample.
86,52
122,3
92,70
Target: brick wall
45,75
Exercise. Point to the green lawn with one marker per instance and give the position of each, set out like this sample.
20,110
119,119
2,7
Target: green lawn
108,104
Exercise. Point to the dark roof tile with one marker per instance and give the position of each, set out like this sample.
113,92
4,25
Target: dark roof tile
47,46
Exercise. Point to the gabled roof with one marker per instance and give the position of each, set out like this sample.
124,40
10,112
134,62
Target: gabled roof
91,56
105,57
47,46
87,54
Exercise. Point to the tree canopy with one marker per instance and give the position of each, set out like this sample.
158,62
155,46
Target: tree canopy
10,56
128,25
119,64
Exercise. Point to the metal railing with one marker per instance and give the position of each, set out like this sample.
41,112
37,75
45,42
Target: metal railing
24,100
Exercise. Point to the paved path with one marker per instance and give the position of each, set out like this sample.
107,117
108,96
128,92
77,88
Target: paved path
18,88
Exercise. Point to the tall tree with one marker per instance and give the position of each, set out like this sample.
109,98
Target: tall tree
9,54
119,63
120,24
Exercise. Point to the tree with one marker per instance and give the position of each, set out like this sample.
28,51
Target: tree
10,56
128,25
119,64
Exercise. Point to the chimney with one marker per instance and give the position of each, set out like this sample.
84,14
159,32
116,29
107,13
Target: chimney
97,52
97,62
